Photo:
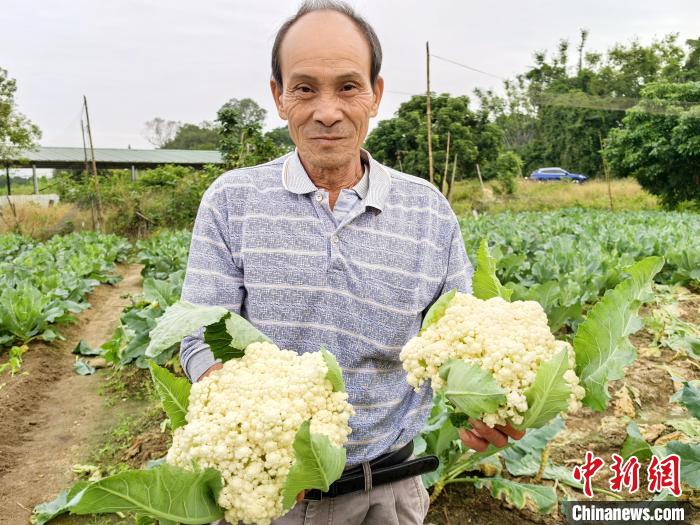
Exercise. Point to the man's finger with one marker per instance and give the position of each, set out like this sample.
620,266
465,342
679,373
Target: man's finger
512,432
300,496
496,437
471,441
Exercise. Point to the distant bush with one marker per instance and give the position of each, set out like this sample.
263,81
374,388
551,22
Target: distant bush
163,197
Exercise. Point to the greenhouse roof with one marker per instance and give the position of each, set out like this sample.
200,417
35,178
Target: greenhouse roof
59,157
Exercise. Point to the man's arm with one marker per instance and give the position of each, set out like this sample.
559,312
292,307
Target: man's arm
213,277
459,269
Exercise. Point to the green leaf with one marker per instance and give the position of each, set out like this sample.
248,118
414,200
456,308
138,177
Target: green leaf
45,512
470,388
522,458
635,444
165,493
437,310
522,495
549,393
82,348
601,344
689,426
318,464
485,284
689,396
178,321
83,368
174,393
229,337
690,462
334,374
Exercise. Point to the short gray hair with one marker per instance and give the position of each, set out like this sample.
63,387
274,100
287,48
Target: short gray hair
310,6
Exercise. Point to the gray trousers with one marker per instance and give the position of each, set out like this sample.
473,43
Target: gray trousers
403,502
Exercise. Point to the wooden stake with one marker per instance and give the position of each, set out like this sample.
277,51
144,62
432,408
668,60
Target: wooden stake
427,110
98,200
606,170
87,175
452,180
481,181
443,182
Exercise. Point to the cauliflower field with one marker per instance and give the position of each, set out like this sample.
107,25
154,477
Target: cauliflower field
565,262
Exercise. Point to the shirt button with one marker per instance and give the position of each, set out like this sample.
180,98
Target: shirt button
334,239
319,197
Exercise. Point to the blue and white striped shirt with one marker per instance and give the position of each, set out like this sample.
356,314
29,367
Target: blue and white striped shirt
266,245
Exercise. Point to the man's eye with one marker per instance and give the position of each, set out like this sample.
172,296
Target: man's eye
348,87
304,89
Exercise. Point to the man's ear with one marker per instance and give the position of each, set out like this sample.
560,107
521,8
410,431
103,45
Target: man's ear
277,96
378,92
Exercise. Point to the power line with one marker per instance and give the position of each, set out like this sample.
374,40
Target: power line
467,67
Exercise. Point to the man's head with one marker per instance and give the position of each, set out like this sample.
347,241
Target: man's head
325,81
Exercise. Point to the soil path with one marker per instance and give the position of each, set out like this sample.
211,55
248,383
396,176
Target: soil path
50,416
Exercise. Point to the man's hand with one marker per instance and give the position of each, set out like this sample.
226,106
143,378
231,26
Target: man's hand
215,366
479,437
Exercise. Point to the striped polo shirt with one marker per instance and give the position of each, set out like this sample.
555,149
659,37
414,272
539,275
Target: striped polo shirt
266,245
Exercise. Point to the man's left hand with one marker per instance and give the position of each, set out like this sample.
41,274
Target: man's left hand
479,437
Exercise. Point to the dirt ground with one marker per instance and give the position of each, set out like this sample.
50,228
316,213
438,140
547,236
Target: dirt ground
43,434
50,414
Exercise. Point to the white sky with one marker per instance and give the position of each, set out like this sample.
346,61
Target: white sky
182,60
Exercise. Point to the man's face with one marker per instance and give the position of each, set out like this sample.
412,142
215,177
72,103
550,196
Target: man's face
326,97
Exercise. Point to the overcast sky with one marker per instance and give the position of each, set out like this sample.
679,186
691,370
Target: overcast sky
181,60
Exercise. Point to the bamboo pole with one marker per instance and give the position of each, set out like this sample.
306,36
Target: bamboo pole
98,200
452,180
481,181
443,182
427,109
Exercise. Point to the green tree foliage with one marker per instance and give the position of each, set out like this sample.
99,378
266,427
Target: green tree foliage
558,113
280,138
506,169
204,136
659,142
242,141
401,142
17,132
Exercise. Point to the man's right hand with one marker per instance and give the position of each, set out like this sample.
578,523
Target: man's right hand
215,366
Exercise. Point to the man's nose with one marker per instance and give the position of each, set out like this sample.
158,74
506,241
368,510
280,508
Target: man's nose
327,110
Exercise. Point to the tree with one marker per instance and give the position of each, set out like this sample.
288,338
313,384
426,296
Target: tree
280,138
659,142
241,139
160,131
506,169
557,114
204,136
17,132
401,142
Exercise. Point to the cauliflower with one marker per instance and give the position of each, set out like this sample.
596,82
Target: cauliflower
507,340
242,420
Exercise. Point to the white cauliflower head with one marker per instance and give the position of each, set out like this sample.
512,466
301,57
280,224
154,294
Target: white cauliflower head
242,421
507,339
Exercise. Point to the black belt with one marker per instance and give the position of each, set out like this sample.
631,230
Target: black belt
384,469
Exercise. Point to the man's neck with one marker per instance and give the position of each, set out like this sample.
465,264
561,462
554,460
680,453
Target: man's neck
335,179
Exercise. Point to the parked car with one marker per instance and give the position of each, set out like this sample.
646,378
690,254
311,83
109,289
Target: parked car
547,174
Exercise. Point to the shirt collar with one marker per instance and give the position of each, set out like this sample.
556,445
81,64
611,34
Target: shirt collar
373,188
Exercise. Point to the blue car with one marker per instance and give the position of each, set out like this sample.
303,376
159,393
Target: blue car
547,174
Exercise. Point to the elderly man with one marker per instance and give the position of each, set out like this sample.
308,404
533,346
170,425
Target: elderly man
326,246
